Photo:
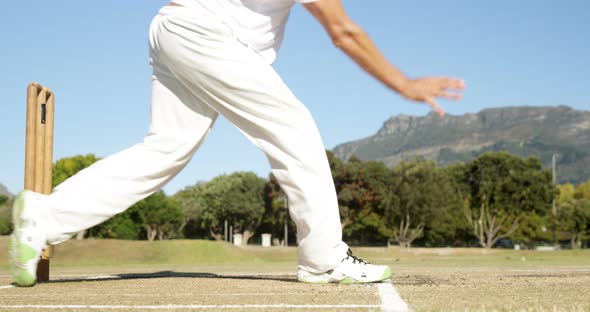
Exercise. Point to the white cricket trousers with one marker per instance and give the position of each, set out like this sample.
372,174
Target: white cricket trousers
200,71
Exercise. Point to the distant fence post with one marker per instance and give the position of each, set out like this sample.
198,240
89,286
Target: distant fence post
225,231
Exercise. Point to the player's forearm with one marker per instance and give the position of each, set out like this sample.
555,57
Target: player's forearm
353,40
357,44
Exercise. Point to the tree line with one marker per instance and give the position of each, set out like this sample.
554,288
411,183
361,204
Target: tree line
495,199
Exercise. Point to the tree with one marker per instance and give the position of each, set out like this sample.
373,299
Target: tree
533,228
447,229
236,198
159,215
3,199
500,190
5,215
155,217
448,226
192,208
417,189
275,211
126,225
363,194
582,191
566,193
67,167
574,219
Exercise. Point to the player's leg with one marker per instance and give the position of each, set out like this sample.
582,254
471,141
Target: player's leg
110,186
236,82
179,123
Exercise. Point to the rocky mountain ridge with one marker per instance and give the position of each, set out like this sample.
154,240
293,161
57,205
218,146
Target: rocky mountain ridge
524,130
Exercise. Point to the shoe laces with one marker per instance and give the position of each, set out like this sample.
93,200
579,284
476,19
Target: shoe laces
354,258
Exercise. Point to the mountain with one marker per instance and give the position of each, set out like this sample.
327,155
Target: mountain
525,131
4,190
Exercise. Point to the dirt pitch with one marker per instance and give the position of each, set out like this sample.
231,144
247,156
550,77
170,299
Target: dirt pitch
427,279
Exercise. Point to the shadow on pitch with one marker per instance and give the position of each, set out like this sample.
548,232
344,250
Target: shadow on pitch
172,274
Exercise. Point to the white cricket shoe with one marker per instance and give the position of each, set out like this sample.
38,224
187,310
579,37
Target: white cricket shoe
28,239
352,270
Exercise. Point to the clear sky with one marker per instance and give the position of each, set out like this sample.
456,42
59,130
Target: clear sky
93,54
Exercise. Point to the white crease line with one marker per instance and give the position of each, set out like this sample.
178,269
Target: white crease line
390,299
193,306
7,287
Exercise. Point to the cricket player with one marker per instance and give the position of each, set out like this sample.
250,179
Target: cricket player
211,58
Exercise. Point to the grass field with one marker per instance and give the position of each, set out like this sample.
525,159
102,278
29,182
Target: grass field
204,275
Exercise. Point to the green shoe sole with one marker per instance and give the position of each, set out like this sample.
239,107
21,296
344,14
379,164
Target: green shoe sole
386,275
21,254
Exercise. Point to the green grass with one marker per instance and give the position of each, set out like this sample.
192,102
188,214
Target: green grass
460,258
90,253
123,253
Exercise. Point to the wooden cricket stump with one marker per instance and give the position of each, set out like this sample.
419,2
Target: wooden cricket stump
39,153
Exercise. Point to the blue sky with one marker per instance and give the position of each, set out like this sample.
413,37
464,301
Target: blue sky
93,54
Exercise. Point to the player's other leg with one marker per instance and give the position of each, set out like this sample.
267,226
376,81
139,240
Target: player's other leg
236,82
179,123
28,238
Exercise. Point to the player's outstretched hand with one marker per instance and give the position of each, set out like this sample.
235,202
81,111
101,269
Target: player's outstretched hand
428,89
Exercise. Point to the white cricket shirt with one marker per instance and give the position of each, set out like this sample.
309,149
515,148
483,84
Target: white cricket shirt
260,24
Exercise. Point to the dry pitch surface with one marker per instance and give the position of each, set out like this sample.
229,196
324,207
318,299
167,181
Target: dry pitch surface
84,278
